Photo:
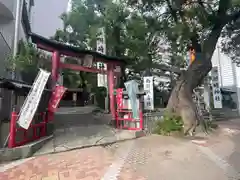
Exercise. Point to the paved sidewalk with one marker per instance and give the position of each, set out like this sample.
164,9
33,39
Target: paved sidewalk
148,158
85,164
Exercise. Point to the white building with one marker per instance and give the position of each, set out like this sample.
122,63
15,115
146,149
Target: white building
229,74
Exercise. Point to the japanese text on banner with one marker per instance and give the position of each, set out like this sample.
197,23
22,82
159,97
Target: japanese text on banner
31,103
216,91
148,98
101,48
56,97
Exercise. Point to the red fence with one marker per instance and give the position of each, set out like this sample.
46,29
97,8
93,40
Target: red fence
124,115
19,136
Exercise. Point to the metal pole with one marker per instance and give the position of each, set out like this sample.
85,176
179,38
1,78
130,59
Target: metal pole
18,14
16,31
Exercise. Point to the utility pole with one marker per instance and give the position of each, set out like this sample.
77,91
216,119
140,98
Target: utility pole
18,16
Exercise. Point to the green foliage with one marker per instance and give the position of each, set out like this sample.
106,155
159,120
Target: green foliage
187,23
71,79
146,30
28,61
128,32
26,58
169,125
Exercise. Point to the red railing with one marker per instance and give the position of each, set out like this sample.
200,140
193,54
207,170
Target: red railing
124,115
126,121
34,132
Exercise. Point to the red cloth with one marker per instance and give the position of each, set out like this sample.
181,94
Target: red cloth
119,97
56,97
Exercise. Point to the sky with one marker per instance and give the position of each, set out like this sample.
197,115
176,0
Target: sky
45,16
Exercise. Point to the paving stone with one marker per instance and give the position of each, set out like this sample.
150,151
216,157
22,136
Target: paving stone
90,163
148,158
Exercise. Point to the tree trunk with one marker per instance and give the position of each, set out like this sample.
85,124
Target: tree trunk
181,101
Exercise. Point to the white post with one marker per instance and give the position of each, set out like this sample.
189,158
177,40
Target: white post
220,67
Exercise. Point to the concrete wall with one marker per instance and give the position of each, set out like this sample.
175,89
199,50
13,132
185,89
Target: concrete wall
4,130
6,8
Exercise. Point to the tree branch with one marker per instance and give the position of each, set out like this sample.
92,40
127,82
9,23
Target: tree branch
164,67
172,11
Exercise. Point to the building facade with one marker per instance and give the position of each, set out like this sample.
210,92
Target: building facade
7,30
229,79
7,27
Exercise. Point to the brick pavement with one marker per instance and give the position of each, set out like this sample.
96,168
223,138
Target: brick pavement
84,164
150,158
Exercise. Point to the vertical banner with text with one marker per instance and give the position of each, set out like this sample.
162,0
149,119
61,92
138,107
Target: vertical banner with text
216,91
101,48
148,98
31,102
56,98
102,78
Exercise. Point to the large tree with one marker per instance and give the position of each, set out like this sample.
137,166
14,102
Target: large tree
198,24
139,28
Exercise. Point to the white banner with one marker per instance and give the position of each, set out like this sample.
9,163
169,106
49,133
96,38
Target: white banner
217,96
148,98
31,102
101,48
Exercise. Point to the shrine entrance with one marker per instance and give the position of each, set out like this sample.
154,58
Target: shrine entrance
86,61
80,126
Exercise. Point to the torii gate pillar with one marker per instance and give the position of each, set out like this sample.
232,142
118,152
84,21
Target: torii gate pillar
55,67
110,75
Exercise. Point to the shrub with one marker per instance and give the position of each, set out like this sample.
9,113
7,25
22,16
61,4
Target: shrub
170,124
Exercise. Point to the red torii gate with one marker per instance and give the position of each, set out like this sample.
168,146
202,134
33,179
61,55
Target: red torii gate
58,49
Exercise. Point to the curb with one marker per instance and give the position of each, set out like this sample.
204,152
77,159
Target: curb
22,152
106,142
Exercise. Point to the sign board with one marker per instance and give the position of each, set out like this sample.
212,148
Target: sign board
31,103
101,48
56,97
148,98
217,96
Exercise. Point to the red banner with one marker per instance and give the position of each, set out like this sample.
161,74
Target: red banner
119,97
56,97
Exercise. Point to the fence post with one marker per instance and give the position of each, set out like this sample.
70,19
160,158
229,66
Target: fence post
45,121
12,133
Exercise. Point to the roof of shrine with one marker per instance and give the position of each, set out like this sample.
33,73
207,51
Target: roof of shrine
63,48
